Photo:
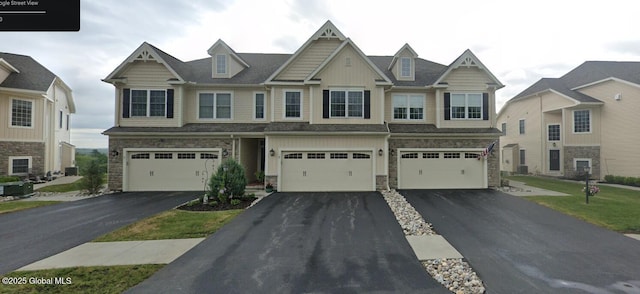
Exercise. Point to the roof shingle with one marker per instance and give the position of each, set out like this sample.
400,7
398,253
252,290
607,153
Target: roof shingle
32,76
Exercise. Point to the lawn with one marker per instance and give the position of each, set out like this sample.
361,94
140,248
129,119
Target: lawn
96,279
11,206
62,188
613,208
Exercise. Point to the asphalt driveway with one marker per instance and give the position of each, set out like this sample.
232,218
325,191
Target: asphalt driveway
301,243
517,246
31,235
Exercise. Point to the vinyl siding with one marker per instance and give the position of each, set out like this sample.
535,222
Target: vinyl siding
279,103
582,139
429,112
3,74
309,59
233,66
534,136
242,105
33,134
397,67
469,80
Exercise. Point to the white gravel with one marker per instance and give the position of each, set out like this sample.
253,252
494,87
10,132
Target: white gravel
454,273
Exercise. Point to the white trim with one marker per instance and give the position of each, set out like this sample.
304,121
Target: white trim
606,80
148,115
402,49
399,152
466,105
346,91
211,50
524,127
4,63
144,46
284,104
226,66
264,105
272,99
559,171
12,158
575,165
559,130
215,105
411,66
33,108
311,104
468,54
573,122
408,96
520,158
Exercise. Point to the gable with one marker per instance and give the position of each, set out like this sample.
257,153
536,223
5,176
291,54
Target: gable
141,73
308,60
234,64
348,67
471,78
476,72
149,55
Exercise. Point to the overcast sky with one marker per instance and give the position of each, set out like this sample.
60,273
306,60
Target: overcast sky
519,43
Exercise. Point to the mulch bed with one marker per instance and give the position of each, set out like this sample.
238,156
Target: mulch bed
245,202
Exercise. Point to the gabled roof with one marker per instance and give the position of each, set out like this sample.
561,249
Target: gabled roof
397,55
558,86
6,65
594,71
147,52
226,47
426,72
28,74
468,59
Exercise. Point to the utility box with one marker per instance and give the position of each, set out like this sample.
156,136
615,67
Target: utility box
16,189
71,171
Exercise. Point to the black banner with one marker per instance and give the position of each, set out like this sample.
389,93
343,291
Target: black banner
39,15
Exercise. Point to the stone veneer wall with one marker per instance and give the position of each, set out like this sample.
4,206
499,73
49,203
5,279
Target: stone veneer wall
119,143
572,152
493,167
33,149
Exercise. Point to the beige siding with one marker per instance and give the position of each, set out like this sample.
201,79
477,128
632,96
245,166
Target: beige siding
619,120
242,105
582,139
532,140
325,143
553,101
3,74
469,123
309,59
233,66
278,103
9,133
469,80
429,111
397,67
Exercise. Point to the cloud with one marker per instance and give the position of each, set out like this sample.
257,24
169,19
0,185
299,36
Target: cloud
628,47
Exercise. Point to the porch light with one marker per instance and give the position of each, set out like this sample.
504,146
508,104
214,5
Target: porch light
271,152
380,152
225,152
114,153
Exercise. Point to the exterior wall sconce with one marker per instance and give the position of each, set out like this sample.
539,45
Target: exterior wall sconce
271,152
114,153
392,152
225,153
554,144
380,152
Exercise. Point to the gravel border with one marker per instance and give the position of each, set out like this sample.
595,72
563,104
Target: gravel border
454,273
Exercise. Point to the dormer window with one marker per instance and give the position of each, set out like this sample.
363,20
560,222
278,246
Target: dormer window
221,64
405,67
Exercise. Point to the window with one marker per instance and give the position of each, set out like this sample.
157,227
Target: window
339,156
258,112
20,165
293,156
163,156
140,156
60,116
451,155
582,121
148,102
554,133
186,156
410,155
431,155
409,107
504,129
522,157
521,126
581,163
360,156
68,121
466,106
293,104
21,113
405,67
470,155
221,64
347,103
214,105
315,155
208,156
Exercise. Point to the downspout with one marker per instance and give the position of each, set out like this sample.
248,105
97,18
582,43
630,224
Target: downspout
387,155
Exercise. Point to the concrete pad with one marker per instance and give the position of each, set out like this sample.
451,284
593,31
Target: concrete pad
432,247
117,253
521,189
634,236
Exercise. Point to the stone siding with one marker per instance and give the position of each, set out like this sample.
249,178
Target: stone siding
493,165
381,183
572,152
33,149
119,143
273,180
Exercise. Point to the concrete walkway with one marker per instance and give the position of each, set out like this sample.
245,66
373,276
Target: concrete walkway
57,181
521,189
432,247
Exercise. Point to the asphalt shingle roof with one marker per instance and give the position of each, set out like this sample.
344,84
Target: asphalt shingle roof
32,76
432,129
558,85
306,127
193,128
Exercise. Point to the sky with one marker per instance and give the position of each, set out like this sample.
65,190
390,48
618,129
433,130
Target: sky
519,42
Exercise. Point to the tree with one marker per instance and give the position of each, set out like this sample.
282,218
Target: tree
92,180
228,182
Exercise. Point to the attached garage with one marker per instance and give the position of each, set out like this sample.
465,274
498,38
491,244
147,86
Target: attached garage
169,170
441,169
327,171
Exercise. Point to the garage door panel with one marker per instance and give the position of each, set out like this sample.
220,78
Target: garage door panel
170,170
441,170
326,171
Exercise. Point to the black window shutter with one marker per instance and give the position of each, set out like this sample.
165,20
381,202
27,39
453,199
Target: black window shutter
447,106
325,103
126,102
485,106
169,103
367,104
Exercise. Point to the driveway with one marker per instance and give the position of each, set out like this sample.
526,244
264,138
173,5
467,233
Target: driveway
301,243
31,235
517,246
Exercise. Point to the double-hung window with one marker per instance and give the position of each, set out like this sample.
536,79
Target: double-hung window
554,133
408,107
221,64
148,103
214,105
21,113
347,103
293,104
582,121
521,126
19,165
405,67
259,106
466,106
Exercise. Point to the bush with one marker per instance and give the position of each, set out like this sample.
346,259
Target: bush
618,180
260,176
9,179
235,201
637,183
630,181
228,182
92,179
609,178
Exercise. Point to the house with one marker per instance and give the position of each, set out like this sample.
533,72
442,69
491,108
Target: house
586,118
325,118
36,107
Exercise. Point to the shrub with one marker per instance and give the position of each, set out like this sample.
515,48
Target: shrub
630,181
618,179
637,183
9,179
92,179
228,182
260,176
235,201
609,178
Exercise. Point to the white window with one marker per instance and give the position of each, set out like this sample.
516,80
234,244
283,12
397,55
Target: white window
293,104
19,165
258,106
522,157
521,126
466,106
346,103
580,164
60,116
21,113
214,106
553,133
405,67
504,129
221,64
582,121
68,121
408,107
148,103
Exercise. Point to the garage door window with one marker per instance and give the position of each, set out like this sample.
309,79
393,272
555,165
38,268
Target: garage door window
451,155
293,156
186,156
163,156
431,155
208,156
410,155
140,156
315,155
471,155
339,156
361,156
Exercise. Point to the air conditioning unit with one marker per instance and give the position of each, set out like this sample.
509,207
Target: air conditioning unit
523,169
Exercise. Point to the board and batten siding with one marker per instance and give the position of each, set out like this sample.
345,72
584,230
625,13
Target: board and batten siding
278,103
591,138
468,80
309,59
429,108
242,104
35,133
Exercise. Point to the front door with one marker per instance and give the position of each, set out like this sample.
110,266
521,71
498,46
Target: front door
554,160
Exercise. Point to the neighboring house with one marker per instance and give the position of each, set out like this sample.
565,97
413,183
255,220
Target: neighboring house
325,118
36,107
588,117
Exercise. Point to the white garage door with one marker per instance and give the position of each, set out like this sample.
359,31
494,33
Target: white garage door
327,171
170,170
441,170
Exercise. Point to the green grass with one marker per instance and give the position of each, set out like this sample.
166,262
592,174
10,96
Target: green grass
613,208
75,186
173,224
11,206
97,279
